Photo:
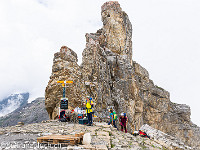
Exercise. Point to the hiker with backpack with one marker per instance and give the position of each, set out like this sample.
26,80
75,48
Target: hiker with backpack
123,122
113,118
89,105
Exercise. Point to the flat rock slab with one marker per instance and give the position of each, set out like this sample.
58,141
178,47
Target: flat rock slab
102,133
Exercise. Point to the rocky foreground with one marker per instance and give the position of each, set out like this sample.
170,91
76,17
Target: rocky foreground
103,137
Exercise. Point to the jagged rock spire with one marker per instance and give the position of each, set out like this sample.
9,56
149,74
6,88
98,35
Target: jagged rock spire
112,79
117,29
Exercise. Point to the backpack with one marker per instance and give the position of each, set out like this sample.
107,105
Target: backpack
143,134
115,116
90,103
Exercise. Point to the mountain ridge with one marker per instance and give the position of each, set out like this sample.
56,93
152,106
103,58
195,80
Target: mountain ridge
13,102
28,113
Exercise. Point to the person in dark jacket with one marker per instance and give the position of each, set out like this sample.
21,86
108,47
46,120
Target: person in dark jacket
123,122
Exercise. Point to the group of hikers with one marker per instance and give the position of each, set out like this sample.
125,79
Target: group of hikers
113,116
123,119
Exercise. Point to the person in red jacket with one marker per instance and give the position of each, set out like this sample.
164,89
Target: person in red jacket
123,121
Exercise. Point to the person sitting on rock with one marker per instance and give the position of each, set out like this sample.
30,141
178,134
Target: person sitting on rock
123,121
112,118
89,104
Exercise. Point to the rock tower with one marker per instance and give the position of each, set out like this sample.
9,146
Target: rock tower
110,76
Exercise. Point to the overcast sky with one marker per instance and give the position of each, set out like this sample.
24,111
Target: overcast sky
166,41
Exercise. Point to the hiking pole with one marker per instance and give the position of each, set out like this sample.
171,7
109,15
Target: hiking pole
135,125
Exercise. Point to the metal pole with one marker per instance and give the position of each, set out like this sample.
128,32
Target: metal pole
64,92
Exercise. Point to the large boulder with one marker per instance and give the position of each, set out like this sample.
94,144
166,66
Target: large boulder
65,67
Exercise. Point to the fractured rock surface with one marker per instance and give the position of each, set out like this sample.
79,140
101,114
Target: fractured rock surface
65,67
110,76
103,137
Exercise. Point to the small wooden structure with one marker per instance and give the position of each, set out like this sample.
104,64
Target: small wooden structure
61,139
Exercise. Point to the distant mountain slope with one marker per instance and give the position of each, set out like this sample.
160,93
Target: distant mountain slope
13,102
29,113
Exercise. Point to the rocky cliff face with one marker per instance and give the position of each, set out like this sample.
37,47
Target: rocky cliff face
113,79
65,67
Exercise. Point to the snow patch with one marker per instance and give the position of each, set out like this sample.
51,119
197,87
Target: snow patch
11,103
